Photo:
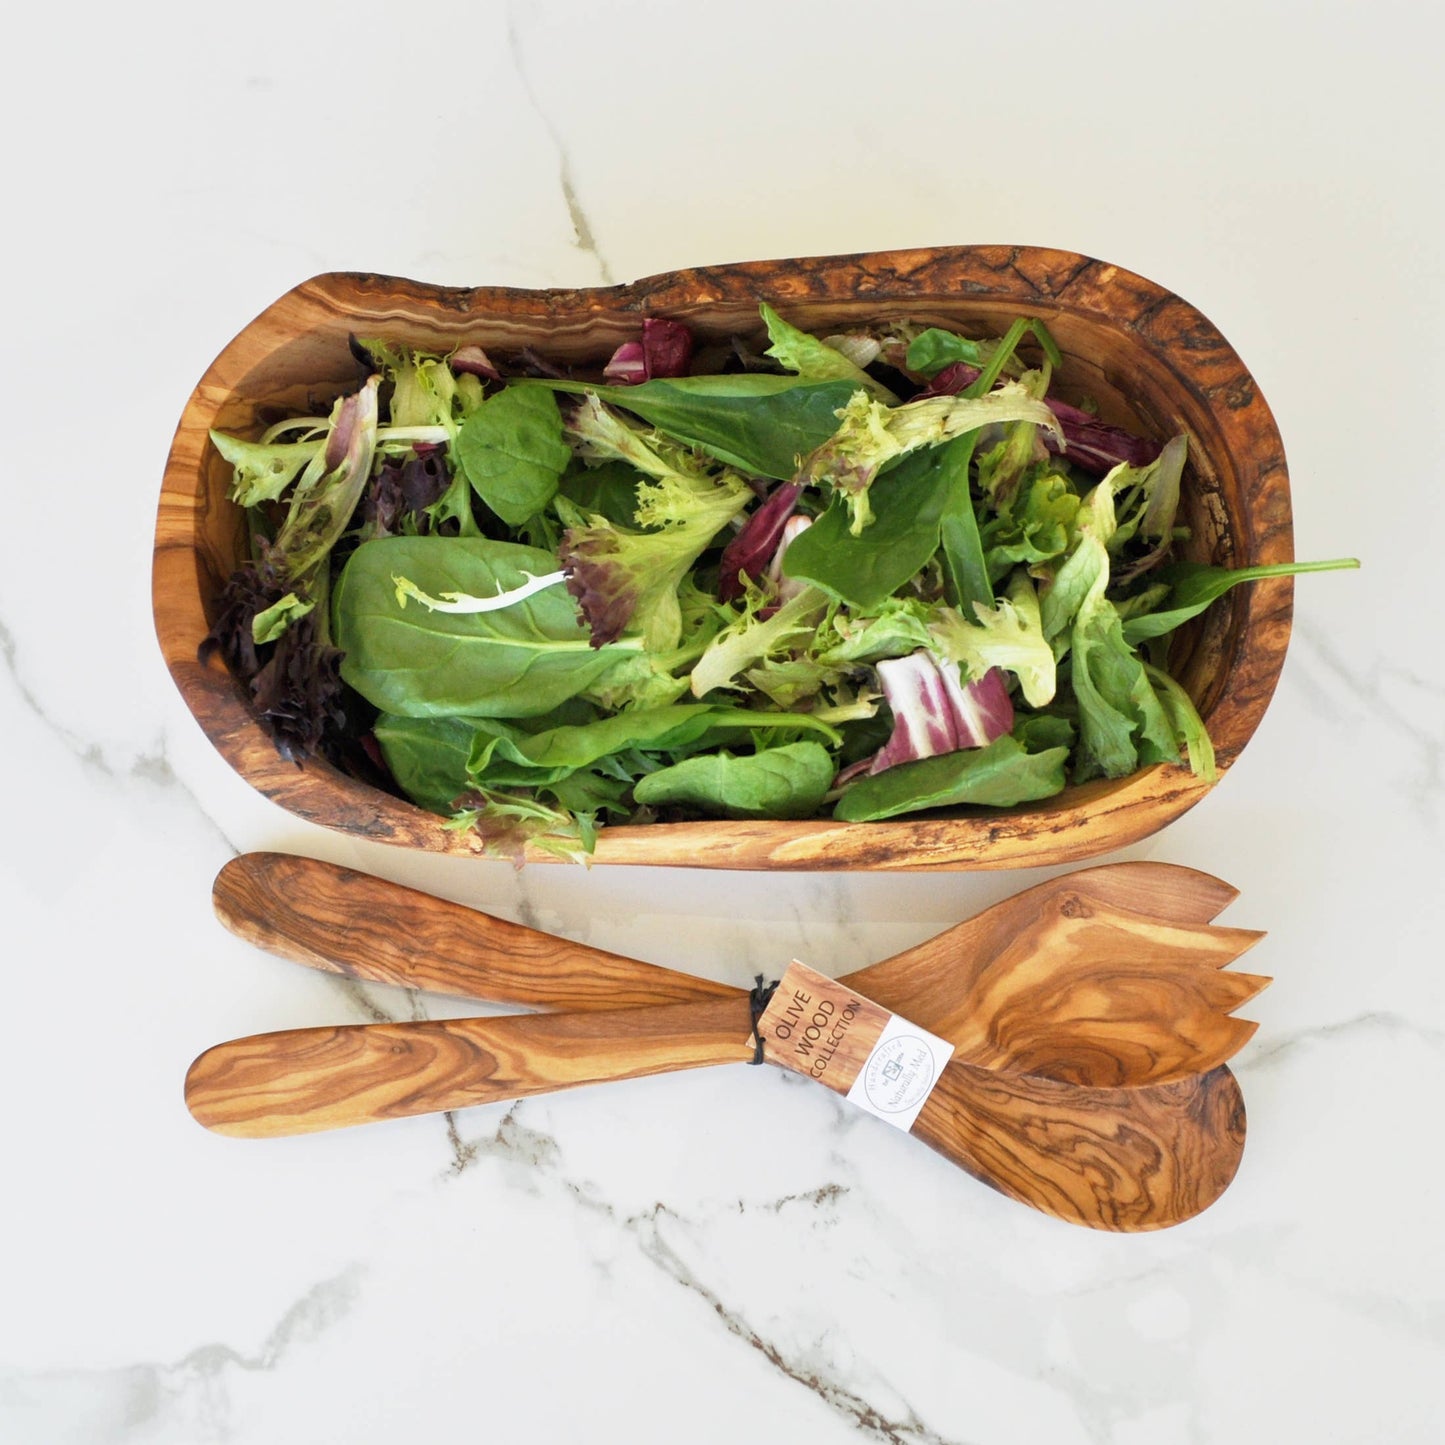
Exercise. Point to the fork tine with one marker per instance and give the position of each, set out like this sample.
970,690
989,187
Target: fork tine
1244,986
1238,940
1166,891
1212,991
1200,944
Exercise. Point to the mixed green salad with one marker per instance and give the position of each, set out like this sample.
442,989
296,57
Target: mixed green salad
852,576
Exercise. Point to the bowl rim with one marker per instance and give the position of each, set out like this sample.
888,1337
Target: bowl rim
1094,817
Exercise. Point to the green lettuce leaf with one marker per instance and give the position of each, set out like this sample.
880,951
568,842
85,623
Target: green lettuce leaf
1187,724
815,360
508,823
999,775
1034,526
1193,586
790,781
866,570
1086,568
1122,724
1009,636
760,423
870,435
262,472
326,495
751,639
267,626
502,757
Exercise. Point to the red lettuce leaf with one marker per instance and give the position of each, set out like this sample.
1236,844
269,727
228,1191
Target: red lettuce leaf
665,350
745,559
1094,447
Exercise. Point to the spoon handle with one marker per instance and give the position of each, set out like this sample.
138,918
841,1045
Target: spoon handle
334,918
300,1081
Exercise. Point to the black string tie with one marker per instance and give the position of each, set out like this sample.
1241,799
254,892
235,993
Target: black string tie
759,997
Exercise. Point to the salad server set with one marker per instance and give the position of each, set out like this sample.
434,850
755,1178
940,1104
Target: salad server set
1090,1017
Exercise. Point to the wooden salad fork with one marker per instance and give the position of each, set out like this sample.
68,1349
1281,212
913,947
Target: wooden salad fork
1110,977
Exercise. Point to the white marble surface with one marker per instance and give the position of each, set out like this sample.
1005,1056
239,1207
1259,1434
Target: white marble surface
728,1255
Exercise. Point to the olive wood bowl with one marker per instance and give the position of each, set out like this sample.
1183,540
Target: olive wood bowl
1149,359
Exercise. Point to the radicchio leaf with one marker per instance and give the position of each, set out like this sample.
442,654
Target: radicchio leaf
1095,447
746,558
475,362
786,587
665,350
933,712
951,380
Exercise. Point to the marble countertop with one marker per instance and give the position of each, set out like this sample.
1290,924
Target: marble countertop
727,1255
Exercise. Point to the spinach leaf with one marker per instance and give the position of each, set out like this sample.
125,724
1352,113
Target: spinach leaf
964,569
608,490
502,758
758,422
511,449
427,757
998,776
783,782
865,570
930,351
518,661
591,791
1195,586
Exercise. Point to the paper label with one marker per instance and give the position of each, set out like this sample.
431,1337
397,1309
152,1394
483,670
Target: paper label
883,1063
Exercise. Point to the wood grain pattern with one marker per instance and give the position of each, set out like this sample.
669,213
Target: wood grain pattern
1064,981
1109,976
1151,360
338,919
1120,1159
299,1081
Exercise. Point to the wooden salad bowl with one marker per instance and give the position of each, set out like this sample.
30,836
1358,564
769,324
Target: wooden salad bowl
1149,359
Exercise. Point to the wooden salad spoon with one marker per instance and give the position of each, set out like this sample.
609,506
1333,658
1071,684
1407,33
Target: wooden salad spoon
1108,977
1117,1159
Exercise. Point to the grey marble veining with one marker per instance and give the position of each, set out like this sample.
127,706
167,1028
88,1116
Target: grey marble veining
184,1400
585,241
